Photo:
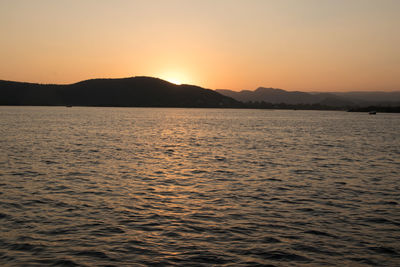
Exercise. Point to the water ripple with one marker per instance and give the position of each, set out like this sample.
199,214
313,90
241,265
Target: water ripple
194,187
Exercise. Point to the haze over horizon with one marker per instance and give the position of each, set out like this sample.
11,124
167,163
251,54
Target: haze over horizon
305,45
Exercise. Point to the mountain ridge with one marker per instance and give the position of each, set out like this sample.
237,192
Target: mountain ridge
144,91
335,99
139,91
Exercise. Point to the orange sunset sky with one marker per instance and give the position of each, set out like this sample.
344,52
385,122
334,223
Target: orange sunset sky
308,45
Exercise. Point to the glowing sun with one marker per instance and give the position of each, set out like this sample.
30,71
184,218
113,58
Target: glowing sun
174,80
175,77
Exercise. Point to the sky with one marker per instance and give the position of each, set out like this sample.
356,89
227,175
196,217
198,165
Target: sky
306,45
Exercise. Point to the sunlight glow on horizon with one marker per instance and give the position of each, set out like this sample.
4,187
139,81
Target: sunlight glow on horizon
175,77
332,45
174,81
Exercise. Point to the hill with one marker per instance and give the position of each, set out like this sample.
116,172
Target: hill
332,99
372,98
124,92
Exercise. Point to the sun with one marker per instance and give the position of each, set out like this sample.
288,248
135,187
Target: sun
174,77
174,80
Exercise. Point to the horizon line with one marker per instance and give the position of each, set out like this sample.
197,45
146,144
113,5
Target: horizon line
269,87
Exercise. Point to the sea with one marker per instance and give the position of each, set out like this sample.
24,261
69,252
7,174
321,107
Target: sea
102,186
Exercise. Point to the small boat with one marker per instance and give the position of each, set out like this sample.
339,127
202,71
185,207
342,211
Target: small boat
372,112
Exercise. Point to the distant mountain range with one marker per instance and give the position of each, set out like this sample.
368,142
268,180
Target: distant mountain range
125,92
333,99
153,92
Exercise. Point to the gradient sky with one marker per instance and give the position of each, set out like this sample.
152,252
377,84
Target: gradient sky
309,45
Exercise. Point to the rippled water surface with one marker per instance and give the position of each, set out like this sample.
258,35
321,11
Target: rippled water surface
140,186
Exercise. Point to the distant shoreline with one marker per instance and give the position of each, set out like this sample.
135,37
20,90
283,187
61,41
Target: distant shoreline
358,110
153,92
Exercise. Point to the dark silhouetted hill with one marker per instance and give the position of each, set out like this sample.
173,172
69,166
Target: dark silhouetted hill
125,92
277,96
333,99
372,98
270,95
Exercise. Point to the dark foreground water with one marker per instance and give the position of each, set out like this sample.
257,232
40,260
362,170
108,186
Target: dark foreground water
132,187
